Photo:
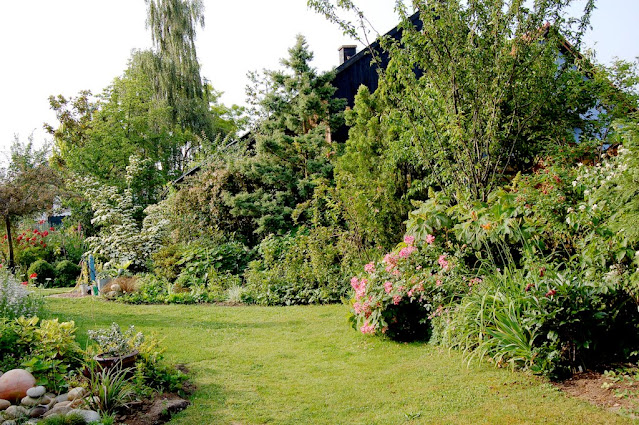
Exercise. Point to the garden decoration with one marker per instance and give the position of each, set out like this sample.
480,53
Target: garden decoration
117,349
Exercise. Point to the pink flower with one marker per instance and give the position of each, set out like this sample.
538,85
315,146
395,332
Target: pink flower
396,299
442,262
407,251
25,283
388,287
551,293
409,239
430,239
391,260
370,267
396,272
354,282
438,283
367,329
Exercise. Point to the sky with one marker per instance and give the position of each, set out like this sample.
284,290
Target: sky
52,47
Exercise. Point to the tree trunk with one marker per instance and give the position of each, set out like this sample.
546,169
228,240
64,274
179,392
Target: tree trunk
7,222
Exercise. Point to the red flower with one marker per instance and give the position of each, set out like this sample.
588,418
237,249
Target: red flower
25,283
36,231
52,228
45,233
33,275
41,222
44,245
530,285
551,293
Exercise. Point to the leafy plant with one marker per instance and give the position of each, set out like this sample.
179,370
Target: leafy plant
15,299
114,342
110,389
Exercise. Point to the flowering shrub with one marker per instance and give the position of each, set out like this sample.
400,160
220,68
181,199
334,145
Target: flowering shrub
399,294
15,298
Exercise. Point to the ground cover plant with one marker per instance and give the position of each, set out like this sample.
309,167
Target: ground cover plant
301,364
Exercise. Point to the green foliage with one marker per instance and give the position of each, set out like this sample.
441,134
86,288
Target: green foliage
292,146
45,272
120,238
305,268
66,273
111,390
15,299
549,322
114,342
46,348
153,374
374,183
72,419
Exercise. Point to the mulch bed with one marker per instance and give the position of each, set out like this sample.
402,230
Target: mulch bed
596,388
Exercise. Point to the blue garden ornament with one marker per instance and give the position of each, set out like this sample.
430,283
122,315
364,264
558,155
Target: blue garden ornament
91,268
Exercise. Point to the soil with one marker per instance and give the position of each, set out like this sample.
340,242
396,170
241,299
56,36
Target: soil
602,391
160,408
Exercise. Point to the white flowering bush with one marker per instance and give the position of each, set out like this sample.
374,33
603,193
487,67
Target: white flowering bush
16,299
121,239
608,216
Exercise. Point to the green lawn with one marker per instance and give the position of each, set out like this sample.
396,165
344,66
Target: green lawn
304,365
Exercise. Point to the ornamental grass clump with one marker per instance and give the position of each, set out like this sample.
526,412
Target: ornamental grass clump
399,295
15,298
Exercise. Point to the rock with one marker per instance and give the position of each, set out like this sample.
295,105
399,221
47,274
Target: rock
15,383
16,412
45,399
88,415
36,392
38,411
4,404
9,422
116,288
63,403
112,294
62,397
58,410
29,401
163,408
75,393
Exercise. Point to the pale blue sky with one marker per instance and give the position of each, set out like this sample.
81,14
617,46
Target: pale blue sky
64,46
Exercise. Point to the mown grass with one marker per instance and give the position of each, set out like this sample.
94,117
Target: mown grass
304,365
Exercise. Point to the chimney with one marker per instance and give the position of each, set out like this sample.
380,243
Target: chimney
346,52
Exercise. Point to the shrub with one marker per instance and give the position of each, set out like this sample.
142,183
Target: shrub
548,322
305,268
45,273
15,299
398,295
66,273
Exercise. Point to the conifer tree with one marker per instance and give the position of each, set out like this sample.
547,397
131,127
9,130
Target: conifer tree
293,145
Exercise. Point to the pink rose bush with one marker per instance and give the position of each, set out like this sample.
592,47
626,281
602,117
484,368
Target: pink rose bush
396,295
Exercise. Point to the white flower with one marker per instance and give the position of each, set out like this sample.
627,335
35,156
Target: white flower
582,207
594,207
586,192
570,210
581,164
574,183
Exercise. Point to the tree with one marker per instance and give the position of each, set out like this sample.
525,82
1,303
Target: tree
292,144
28,185
480,87
177,79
